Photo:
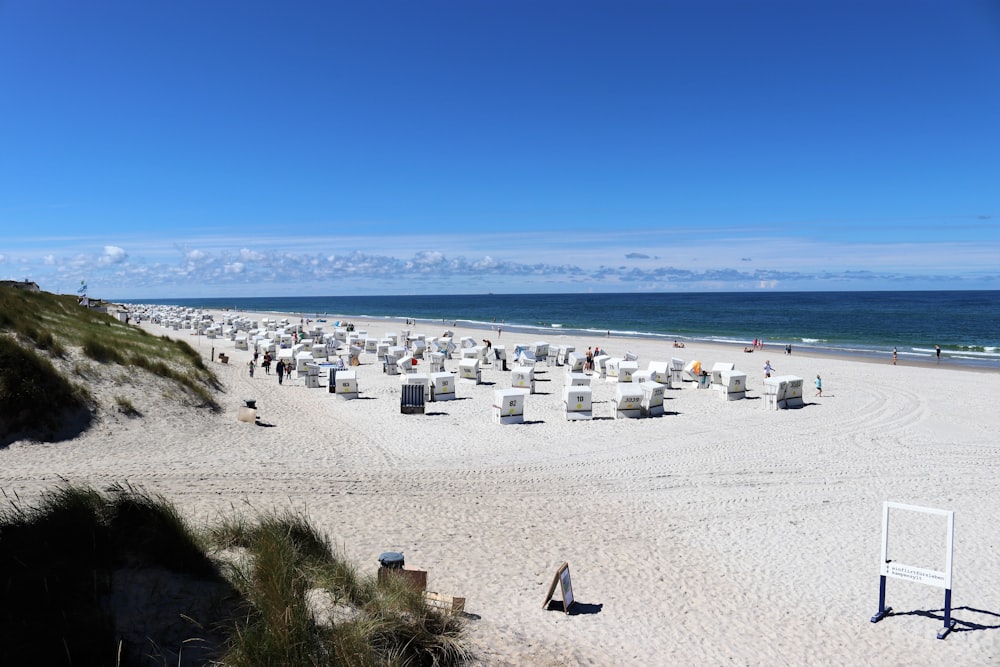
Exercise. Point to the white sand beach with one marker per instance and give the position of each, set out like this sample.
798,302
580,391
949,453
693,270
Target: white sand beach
720,533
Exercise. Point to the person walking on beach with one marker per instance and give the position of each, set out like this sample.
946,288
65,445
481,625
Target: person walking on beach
767,368
251,365
588,364
280,370
894,356
267,363
819,385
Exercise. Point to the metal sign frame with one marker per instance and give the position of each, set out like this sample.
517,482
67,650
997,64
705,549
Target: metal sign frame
941,579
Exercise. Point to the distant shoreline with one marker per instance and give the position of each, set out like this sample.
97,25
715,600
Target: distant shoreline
863,326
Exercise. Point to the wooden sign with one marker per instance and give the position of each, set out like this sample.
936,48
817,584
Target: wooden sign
565,585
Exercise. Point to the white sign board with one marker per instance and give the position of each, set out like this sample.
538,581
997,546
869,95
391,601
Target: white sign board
919,575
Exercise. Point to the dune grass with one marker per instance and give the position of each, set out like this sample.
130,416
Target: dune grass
37,328
33,394
368,621
58,560
294,601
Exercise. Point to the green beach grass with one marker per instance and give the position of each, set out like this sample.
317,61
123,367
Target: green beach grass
250,591
49,343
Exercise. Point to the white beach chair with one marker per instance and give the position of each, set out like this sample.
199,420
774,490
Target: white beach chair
469,372
406,365
540,350
716,372
611,369
523,377
782,392
628,401
347,384
733,385
508,406
626,369
652,398
500,353
435,362
579,403
442,386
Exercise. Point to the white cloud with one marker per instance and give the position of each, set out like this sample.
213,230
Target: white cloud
248,255
112,255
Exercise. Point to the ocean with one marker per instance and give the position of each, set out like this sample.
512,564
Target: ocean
966,324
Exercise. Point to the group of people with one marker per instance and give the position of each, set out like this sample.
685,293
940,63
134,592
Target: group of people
588,362
281,368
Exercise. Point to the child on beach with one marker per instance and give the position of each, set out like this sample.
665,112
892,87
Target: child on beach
819,385
251,365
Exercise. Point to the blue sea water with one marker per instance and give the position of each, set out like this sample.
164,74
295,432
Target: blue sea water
966,324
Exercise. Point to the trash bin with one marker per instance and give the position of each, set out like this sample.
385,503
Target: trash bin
391,560
251,403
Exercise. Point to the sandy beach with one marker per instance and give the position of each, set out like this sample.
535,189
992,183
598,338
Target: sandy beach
718,533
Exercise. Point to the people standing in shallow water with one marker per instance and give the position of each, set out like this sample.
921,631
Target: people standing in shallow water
937,353
893,356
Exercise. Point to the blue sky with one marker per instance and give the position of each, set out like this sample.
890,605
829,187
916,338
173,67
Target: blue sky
173,149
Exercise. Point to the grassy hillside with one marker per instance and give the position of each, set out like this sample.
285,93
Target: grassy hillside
52,352
119,578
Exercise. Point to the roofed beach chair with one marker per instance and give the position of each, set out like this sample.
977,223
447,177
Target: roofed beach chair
411,400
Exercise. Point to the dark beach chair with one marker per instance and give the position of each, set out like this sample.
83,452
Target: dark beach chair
412,399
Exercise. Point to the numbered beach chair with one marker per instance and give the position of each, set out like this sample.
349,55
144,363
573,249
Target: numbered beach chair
469,371
652,399
628,401
508,406
442,386
523,377
346,384
733,385
579,403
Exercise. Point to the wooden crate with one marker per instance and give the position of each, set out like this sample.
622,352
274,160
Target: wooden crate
446,603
